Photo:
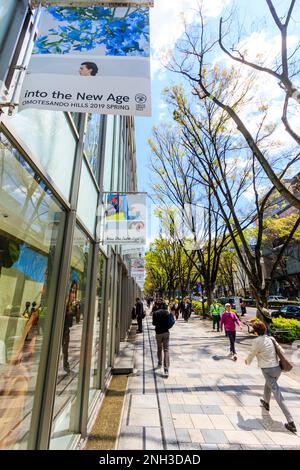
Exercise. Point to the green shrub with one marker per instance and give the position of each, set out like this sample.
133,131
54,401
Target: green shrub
197,306
292,327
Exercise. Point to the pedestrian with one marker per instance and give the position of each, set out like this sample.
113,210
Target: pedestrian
159,320
186,309
263,348
215,311
229,320
139,311
172,307
263,314
243,307
159,304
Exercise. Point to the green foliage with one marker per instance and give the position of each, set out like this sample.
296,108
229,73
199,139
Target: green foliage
292,328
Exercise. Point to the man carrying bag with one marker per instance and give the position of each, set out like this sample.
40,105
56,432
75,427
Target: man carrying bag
163,321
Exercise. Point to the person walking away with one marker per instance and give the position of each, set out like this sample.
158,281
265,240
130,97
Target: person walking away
172,307
186,309
229,320
181,307
176,306
265,316
159,320
139,310
215,311
243,307
263,348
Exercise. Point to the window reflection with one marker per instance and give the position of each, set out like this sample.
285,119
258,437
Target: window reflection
67,401
91,144
31,224
95,373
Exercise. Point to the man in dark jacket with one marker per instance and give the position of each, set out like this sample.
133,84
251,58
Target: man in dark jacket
159,320
139,311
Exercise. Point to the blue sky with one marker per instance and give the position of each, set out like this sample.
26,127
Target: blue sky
165,29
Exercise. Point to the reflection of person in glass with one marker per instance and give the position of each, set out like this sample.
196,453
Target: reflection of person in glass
68,324
88,69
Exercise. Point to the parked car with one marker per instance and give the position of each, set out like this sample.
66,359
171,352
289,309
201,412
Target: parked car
288,311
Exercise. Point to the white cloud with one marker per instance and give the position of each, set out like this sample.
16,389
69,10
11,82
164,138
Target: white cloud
167,23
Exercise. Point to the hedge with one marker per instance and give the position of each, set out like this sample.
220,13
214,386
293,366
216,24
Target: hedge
197,306
285,323
273,303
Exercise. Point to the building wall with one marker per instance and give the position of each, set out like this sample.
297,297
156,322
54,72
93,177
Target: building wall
65,299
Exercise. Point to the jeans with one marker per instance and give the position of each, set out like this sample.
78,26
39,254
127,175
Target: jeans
216,321
231,335
271,375
162,341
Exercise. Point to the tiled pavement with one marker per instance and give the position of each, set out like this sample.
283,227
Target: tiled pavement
208,401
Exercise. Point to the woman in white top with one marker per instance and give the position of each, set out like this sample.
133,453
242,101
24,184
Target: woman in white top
263,348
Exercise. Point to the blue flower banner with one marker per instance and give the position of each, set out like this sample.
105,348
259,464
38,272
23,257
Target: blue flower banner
125,219
91,60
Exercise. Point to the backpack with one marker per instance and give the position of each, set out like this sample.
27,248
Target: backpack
170,321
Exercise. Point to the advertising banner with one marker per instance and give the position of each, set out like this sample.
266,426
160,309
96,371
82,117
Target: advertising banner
135,252
76,3
137,264
125,219
90,60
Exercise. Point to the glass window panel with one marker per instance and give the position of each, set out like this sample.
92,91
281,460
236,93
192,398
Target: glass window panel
95,373
91,143
116,156
31,225
87,199
109,314
109,139
7,9
49,137
68,398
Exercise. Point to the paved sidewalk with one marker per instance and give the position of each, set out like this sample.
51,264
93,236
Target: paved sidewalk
208,401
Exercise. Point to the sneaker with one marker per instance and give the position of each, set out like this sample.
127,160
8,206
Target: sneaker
265,404
234,357
166,372
291,427
158,366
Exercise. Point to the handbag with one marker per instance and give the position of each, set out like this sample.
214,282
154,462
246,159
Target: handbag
284,363
170,320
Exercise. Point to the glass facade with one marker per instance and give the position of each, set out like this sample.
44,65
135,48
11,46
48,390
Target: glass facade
88,199
62,294
31,222
92,141
98,321
49,137
68,397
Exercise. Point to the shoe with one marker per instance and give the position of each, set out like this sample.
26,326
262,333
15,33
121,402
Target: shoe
291,427
166,371
265,404
234,357
67,368
158,366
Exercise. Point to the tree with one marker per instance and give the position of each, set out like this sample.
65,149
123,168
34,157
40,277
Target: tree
193,58
212,150
199,229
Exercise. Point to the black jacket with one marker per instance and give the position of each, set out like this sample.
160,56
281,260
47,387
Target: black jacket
159,320
139,309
